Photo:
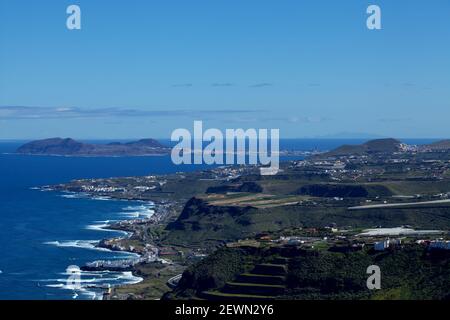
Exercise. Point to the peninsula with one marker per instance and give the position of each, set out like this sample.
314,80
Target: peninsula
71,147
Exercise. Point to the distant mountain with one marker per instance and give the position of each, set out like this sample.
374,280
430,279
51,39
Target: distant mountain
436,146
350,135
70,147
372,146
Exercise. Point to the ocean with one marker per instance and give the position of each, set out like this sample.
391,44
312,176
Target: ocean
43,233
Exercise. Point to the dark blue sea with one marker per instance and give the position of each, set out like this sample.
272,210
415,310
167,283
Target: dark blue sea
42,233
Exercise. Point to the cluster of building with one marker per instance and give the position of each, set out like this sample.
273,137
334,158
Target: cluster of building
337,241
396,243
149,254
296,240
92,188
229,173
435,244
386,244
144,188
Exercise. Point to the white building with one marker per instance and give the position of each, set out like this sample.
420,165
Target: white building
382,245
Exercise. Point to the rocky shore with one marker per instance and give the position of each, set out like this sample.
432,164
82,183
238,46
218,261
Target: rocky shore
135,242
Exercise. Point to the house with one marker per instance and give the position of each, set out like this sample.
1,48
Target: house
381,245
265,238
389,243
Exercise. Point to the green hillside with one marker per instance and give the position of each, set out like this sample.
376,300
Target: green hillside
373,146
200,221
243,273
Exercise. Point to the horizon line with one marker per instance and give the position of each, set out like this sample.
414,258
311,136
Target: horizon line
290,138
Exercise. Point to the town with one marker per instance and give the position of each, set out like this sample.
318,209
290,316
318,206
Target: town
381,197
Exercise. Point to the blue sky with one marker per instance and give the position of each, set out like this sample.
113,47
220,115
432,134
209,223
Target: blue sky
144,68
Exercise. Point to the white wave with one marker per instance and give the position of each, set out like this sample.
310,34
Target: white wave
145,214
81,281
82,244
59,285
140,207
69,196
99,226
73,195
101,198
92,283
145,211
91,245
90,294
130,278
134,208
86,273
129,215
103,226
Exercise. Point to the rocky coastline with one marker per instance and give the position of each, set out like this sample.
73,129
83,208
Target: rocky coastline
132,242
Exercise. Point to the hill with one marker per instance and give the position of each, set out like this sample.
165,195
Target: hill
292,273
201,221
245,187
343,190
70,147
437,146
372,146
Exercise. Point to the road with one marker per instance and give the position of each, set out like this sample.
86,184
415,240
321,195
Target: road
393,205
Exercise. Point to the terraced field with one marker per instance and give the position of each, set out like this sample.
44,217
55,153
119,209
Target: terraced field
265,281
